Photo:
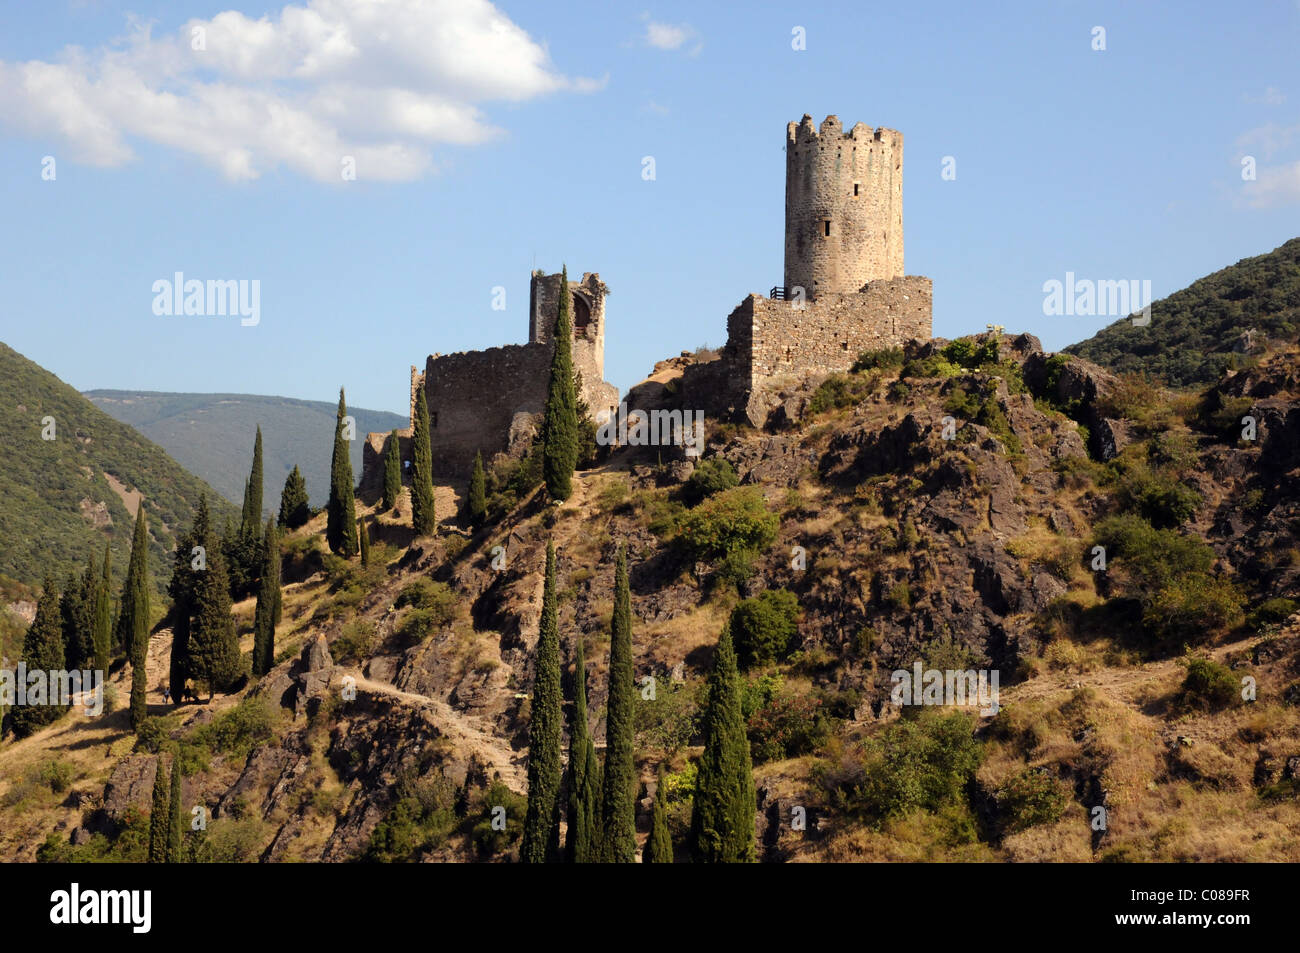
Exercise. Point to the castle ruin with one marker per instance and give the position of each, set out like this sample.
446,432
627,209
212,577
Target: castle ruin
844,290
488,401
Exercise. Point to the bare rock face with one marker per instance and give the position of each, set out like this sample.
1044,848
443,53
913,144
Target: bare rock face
130,785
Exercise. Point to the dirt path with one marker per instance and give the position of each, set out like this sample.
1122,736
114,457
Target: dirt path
464,730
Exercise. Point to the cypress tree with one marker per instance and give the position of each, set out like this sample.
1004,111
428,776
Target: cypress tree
363,536
103,637
618,786
214,649
659,845
77,612
251,524
42,652
187,569
560,424
175,827
295,508
477,493
722,816
584,773
133,620
392,472
423,518
267,612
160,817
341,520
542,821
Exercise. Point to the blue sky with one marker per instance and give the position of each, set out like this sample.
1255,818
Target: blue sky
492,139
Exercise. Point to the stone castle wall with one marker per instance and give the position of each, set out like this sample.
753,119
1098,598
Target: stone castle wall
843,206
479,400
776,344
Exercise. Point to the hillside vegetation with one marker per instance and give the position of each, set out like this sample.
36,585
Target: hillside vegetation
61,498
945,506
210,434
1197,333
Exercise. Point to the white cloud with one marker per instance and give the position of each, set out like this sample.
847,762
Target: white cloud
379,80
1272,96
670,36
1275,186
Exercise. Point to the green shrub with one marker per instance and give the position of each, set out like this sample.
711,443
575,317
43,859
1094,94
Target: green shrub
438,598
727,522
667,722
1271,612
932,366
709,477
924,762
841,390
1157,497
1030,798
881,359
491,841
354,643
789,725
763,629
1208,686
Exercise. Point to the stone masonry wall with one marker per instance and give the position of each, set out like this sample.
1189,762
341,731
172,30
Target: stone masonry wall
771,344
843,206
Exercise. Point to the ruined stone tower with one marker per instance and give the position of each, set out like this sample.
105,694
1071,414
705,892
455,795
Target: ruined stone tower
489,401
843,206
844,249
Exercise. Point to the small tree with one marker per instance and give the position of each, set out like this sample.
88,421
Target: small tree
42,652
659,845
542,822
133,622
341,521
722,815
214,649
103,637
423,518
560,424
581,840
160,817
618,785
267,613
189,564
392,472
295,508
477,493
363,536
175,823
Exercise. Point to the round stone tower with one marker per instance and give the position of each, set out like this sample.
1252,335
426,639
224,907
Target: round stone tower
843,206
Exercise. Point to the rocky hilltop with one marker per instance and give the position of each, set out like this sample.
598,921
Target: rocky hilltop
1124,558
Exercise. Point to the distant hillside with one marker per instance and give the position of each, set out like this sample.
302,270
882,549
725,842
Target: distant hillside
1194,333
212,435
60,498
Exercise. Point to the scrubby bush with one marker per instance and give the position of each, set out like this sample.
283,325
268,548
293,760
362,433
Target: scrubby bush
354,643
763,628
667,722
728,522
788,725
923,762
881,359
1157,497
490,840
438,598
1207,686
1271,612
709,477
841,390
1030,798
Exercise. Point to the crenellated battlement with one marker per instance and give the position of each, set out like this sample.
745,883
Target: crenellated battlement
843,206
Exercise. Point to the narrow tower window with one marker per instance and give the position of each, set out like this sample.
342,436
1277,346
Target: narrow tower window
828,227
855,190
